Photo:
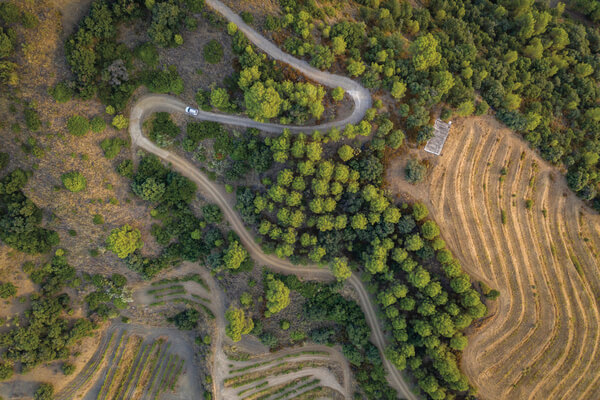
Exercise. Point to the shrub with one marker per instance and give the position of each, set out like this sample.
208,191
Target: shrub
111,147
337,94
124,240
212,213
247,17
44,392
213,52
68,368
164,81
120,122
231,28
97,124
61,92
186,320
4,158
74,181
7,290
32,120
164,130
125,168
148,54
98,219
415,171
6,371
78,125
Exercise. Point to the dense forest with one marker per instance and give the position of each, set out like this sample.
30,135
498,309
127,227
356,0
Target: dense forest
536,67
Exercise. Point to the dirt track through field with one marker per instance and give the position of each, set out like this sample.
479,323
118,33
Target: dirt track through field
542,341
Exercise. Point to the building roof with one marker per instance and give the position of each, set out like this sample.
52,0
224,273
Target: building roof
440,134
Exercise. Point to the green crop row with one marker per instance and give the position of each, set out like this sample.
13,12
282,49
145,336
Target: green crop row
190,277
136,352
165,289
147,349
297,389
111,368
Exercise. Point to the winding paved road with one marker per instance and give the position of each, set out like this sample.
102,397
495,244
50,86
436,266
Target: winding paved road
362,101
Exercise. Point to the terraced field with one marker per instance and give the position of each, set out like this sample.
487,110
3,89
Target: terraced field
289,374
129,365
189,290
510,219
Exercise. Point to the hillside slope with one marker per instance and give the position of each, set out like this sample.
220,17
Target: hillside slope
542,341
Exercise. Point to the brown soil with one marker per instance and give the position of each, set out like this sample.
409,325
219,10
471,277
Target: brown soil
541,341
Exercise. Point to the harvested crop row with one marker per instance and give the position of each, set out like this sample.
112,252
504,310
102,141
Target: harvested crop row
512,222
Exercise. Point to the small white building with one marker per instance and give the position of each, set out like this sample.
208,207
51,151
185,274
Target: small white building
440,134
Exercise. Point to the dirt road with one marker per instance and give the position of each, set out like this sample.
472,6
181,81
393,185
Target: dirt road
362,101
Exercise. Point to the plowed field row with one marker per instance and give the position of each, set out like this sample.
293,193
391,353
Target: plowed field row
542,342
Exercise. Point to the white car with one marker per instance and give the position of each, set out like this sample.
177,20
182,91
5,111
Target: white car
191,111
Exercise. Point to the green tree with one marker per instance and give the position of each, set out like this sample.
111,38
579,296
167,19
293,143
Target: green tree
346,152
234,256
337,94
219,98
44,392
339,268
355,68
430,230
277,295
74,181
262,103
124,240
213,52
238,323
186,320
120,122
424,52
398,90
420,211
415,171
78,125
338,45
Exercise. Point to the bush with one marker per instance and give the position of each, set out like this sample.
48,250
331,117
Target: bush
4,158
111,147
61,92
148,54
415,171
74,181
32,120
213,52
68,368
78,125
212,213
164,81
6,371
98,219
7,290
97,124
247,17
125,168
120,122
44,392
124,240
186,320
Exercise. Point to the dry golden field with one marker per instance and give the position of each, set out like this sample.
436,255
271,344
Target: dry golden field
541,341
